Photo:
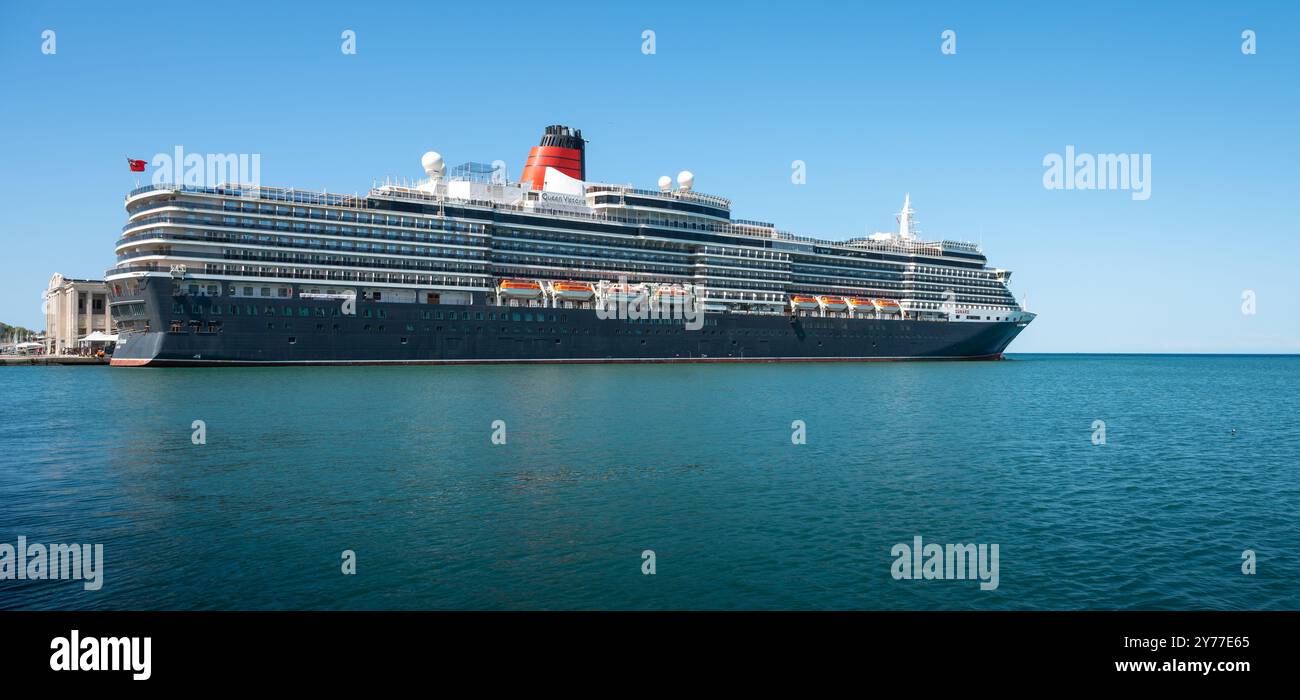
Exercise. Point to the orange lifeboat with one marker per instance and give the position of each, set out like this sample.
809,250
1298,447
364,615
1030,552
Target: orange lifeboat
803,303
520,289
573,291
625,292
859,304
671,294
833,303
886,306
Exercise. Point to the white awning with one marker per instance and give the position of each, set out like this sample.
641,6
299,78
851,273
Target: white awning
99,337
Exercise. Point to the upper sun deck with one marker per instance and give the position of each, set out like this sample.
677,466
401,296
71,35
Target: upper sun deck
740,228
678,195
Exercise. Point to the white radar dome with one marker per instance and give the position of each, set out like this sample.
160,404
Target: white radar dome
432,164
665,183
685,179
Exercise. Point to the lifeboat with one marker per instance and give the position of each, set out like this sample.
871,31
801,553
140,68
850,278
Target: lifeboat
573,291
803,303
625,292
886,306
671,294
520,289
859,304
833,303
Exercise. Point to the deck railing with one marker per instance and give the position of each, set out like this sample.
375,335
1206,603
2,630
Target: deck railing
739,228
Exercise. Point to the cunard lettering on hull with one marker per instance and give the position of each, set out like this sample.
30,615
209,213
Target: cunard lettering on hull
467,265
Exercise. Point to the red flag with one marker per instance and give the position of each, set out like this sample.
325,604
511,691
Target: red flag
137,166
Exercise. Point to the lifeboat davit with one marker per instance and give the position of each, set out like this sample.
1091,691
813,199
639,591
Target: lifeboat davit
520,289
803,303
859,304
833,303
573,291
886,306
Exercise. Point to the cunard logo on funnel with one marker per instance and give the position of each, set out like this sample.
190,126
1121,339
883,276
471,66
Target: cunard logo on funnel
653,302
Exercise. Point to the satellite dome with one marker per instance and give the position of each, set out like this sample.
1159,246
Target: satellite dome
432,164
665,183
685,179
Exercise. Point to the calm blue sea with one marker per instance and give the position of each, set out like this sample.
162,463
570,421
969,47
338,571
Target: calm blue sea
693,462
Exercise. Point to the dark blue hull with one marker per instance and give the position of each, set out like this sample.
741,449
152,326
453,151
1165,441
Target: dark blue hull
195,330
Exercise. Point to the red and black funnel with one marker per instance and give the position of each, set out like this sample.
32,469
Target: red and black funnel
562,148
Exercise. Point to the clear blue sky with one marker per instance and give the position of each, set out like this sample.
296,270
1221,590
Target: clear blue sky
861,94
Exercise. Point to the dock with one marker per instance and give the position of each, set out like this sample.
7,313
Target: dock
14,360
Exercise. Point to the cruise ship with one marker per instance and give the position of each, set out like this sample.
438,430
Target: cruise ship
468,266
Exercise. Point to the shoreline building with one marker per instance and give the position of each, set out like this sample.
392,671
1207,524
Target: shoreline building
74,309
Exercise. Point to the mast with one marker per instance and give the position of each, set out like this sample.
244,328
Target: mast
905,219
